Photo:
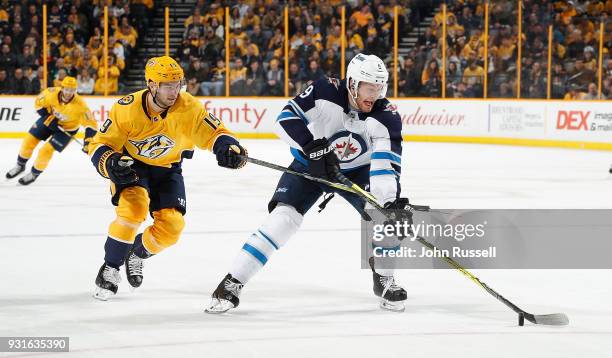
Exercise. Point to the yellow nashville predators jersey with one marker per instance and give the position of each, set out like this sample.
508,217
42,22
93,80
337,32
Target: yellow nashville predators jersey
70,115
159,140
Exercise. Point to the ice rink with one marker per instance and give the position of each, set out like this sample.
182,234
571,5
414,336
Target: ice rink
312,299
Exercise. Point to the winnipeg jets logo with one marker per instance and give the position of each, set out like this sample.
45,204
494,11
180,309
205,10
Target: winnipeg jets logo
348,146
153,147
345,150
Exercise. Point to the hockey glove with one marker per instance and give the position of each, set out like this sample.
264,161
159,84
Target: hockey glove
119,170
228,156
89,133
399,210
322,159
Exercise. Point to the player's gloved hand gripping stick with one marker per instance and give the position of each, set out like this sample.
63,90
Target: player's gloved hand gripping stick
555,319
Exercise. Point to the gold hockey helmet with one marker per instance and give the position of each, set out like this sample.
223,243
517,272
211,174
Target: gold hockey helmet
163,69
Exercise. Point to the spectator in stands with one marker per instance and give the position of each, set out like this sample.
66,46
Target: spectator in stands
592,92
354,45
431,79
88,62
238,76
258,38
20,84
473,76
26,58
194,24
215,84
8,60
334,39
274,79
193,87
217,27
255,79
36,80
331,63
409,84
85,82
558,81
582,75
536,81
252,54
60,75
5,86
212,39
111,85
187,51
198,70
573,92
127,36
296,79
306,50
363,16
313,72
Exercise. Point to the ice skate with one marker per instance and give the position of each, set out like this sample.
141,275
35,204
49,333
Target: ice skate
16,170
28,179
107,282
133,268
226,296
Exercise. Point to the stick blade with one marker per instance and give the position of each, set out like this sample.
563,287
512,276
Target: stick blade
555,319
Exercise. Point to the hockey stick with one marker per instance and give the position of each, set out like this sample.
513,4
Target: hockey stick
555,319
73,137
303,175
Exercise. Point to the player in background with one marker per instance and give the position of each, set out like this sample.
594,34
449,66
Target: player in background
140,148
62,112
333,126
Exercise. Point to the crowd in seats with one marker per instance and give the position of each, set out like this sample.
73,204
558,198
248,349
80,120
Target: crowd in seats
75,43
574,52
257,40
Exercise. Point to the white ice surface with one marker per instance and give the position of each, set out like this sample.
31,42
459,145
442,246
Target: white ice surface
312,299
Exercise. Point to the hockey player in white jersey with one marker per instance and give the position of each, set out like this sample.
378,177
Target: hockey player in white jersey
334,126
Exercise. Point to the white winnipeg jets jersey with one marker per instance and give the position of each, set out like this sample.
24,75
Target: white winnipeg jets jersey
360,140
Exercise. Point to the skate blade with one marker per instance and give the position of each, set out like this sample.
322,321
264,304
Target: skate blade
218,306
102,294
392,306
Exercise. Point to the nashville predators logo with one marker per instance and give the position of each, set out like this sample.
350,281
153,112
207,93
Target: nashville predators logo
153,147
126,100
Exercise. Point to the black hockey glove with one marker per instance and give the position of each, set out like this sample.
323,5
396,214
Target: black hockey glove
119,170
399,210
322,159
228,155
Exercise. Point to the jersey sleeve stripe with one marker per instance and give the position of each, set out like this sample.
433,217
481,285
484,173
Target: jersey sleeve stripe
285,115
296,108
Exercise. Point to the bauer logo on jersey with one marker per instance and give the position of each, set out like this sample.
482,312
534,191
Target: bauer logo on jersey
153,147
348,146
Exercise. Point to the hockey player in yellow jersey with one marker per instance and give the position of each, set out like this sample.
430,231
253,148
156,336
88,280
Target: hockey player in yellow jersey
140,148
62,112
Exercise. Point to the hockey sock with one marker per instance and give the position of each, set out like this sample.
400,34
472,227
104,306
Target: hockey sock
27,147
44,156
279,226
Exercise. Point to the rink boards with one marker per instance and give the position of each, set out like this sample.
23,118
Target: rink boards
570,124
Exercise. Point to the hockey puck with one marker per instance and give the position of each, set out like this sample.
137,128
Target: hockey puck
521,319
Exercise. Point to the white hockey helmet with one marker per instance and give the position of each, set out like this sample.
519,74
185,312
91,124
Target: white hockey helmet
366,68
